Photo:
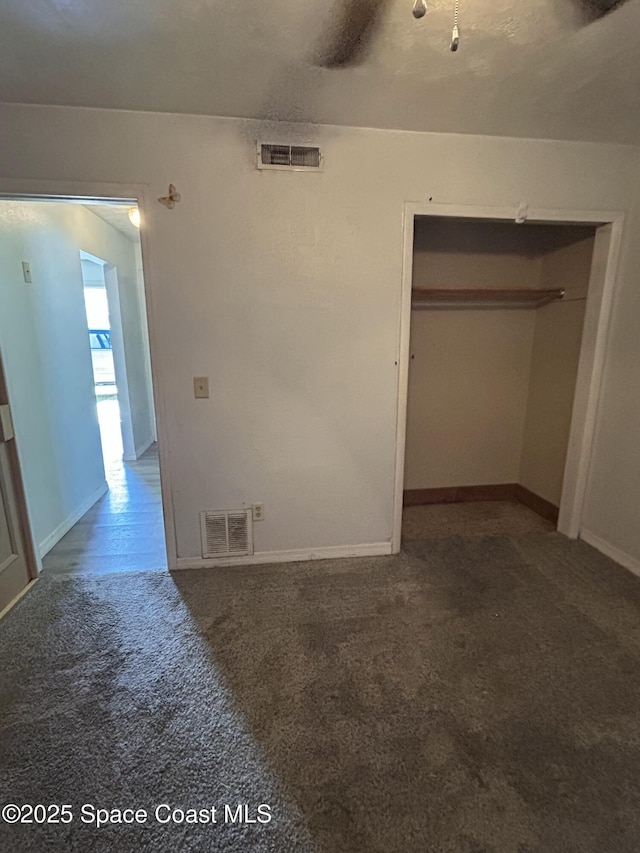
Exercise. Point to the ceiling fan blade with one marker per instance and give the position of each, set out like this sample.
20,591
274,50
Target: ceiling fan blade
593,10
357,22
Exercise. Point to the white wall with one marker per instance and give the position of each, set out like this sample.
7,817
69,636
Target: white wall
468,385
144,332
455,253
554,367
285,289
43,334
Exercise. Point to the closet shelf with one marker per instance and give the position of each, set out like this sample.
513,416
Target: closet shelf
525,297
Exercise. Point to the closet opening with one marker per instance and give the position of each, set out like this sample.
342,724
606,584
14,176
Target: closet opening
503,326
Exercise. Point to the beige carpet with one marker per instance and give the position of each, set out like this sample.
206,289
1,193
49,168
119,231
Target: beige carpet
472,695
487,518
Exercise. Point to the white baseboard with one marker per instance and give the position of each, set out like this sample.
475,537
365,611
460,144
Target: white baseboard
621,557
142,448
298,555
56,535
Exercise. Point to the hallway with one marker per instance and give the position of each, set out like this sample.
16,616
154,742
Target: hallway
124,530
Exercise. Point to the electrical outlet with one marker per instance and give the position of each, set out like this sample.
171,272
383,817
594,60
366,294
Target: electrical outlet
201,387
257,511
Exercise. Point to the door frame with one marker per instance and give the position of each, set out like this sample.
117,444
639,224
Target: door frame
84,192
110,273
31,553
609,229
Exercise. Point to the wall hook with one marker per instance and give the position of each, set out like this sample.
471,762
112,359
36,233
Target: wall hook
172,199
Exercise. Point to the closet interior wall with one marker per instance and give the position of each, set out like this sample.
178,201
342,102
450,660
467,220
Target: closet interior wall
554,368
491,387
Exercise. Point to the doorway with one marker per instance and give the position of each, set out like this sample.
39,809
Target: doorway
498,385
102,359
90,471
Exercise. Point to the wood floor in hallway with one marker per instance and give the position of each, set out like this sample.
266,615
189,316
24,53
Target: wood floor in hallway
123,531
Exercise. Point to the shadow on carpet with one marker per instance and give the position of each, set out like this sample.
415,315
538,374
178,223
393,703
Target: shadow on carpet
467,696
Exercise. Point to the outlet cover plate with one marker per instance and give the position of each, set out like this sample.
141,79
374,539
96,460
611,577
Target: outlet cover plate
257,511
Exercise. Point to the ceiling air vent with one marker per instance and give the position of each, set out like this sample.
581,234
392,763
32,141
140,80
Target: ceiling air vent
291,157
226,533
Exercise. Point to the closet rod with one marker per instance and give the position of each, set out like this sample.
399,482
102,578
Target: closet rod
421,296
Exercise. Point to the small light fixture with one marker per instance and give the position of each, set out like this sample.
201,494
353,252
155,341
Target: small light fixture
134,216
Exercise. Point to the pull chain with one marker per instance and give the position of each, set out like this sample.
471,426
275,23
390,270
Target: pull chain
420,9
455,34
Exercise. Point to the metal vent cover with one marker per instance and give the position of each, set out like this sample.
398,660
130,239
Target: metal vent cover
226,533
291,157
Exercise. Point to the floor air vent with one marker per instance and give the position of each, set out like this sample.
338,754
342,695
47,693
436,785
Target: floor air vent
291,157
227,533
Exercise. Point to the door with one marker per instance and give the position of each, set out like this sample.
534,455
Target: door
15,560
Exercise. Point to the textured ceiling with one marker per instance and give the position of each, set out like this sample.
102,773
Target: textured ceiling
523,68
116,215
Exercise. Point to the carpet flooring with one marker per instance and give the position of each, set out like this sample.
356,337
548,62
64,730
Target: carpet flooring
471,695
482,518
